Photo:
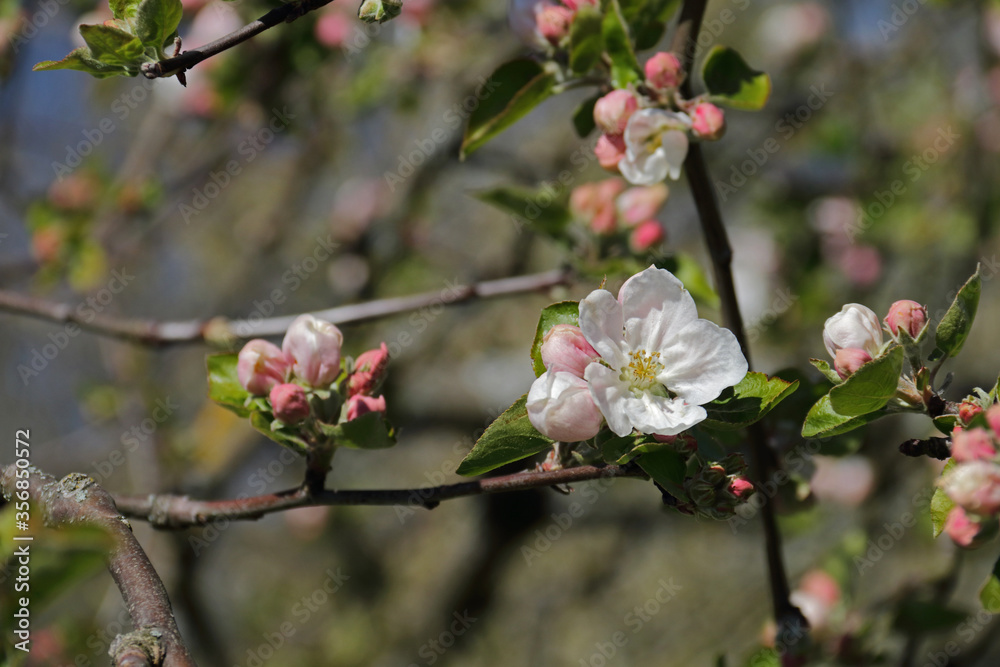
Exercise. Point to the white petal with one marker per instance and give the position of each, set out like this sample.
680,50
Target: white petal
642,168
701,361
674,149
655,306
560,406
662,415
601,323
609,393
854,326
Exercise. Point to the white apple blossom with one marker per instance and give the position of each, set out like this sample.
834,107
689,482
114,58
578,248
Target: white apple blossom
660,362
656,144
974,486
855,326
560,406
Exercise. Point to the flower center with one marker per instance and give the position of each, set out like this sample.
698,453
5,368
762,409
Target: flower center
640,374
654,141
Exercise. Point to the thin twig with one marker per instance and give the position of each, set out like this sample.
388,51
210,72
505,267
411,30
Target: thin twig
763,460
170,511
188,59
160,333
77,499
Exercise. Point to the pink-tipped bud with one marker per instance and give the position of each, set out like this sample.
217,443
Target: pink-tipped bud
973,444
610,150
641,203
561,407
960,528
967,410
611,113
741,488
564,348
369,369
313,348
358,405
850,359
260,366
663,71
553,23
683,443
909,316
289,403
708,122
647,235
993,419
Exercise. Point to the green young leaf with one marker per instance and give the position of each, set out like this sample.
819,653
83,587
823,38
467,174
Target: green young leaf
941,504
514,89
667,468
823,421
511,437
157,20
823,366
747,402
370,431
989,594
112,45
379,11
583,117
287,437
224,385
624,66
957,321
542,213
731,82
564,312
586,41
124,9
946,423
81,60
650,21
622,449
871,386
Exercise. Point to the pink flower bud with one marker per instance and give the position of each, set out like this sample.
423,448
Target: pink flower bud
683,443
974,485
967,410
369,369
289,403
960,528
850,359
647,235
663,71
564,348
820,585
993,419
560,406
583,199
974,444
610,150
741,488
260,366
313,348
708,122
332,29
575,5
641,203
553,23
605,221
854,326
359,405
909,316
611,113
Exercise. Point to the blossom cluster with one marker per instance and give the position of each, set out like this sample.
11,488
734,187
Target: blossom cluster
973,482
853,337
309,363
610,206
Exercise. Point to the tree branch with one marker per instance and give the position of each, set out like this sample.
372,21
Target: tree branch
77,499
763,461
188,59
170,511
159,333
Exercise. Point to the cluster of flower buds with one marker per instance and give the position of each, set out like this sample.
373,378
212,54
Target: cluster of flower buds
646,129
973,483
853,337
546,21
309,361
610,206
717,488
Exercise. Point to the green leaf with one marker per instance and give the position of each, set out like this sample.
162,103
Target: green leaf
369,431
514,89
989,594
379,11
157,20
542,213
647,19
123,9
112,45
823,421
511,437
823,366
224,385
747,402
586,40
81,60
941,503
871,386
624,66
946,423
287,437
954,327
919,617
583,117
731,82
564,312
666,467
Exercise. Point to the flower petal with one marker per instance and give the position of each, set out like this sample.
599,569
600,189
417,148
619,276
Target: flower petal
601,323
655,307
673,149
647,413
609,394
643,168
701,361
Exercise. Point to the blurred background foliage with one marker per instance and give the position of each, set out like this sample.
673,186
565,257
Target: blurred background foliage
881,187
